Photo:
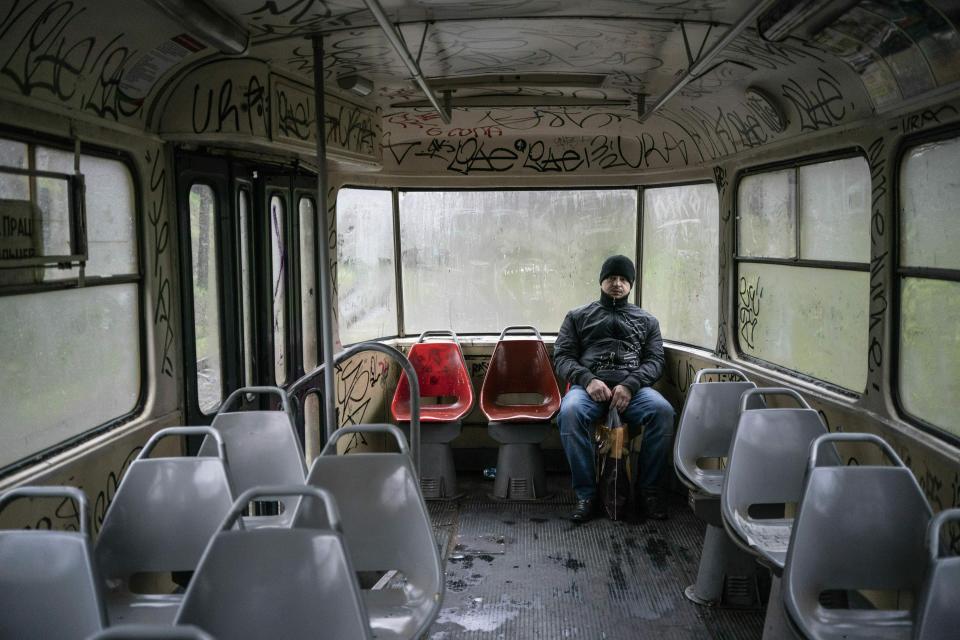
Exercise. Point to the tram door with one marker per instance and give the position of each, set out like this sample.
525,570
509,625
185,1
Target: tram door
249,270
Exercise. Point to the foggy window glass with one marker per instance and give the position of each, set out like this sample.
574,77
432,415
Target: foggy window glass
206,296
308,282
66,347
366,281
246,290
835,210
811,320
930,200
477,261
681,261
930,301
930,350
110,207
278,257
767,216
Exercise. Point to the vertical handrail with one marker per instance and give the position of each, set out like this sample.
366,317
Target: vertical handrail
299,389
323,222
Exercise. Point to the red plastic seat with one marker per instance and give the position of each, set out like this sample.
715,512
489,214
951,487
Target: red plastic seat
442,373
519,366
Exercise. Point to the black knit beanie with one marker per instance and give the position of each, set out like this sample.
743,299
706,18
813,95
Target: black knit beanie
618,266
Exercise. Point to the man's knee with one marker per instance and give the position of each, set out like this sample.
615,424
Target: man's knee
573,412
661,413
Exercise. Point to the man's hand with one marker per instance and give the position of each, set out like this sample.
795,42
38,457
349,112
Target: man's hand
621,397
598,390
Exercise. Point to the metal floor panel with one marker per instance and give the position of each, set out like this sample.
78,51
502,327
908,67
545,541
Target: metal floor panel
520,570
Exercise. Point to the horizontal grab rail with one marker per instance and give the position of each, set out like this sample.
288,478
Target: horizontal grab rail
772,391
239,393
728,372
852,437
184,431
304,386
71,493
525,327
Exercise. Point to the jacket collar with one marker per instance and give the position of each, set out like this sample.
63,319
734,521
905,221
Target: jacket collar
609,303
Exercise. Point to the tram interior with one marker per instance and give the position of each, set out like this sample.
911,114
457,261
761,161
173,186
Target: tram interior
179,249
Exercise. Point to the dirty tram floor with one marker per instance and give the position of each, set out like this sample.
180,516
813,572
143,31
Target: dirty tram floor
522,570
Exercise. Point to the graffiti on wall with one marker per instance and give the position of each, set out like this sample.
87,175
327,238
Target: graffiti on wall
160,229
51,59
361,386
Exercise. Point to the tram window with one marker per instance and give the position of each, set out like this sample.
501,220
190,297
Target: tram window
803,274
680,261
767,209
90,342
929,354
308,282
89,337
278,265
206,296
243,206
111,243
366,276
477,261
835,210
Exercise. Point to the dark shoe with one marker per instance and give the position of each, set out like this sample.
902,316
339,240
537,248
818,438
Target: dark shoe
654,505
584,510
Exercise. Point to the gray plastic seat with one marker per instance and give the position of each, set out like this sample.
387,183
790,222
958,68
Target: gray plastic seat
858,528
707,422
48,584
152,632
725,575
938,612
295,583
766,468
386,527
264,450
160,521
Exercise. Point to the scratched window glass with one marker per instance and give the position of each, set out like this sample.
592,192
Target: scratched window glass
477,261
366,276
65,347
811,320
930,351
767,215
206,296
835,210
681,261
278,258
930,201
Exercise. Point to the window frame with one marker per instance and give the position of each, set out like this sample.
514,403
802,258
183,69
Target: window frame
641,225
397,272
33,139
906,144
732,300
638,212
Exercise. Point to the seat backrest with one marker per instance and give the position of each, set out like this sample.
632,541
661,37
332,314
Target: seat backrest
385,520
48,584
766,466
263,446
857,528
707,422
280,582
519,366
165,510
938,610
441,372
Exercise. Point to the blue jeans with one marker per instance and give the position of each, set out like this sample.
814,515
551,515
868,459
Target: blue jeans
577,417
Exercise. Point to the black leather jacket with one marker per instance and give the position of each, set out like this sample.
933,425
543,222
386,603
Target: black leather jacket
613,340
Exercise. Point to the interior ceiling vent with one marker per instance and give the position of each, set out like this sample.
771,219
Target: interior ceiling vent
508,100
513,80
